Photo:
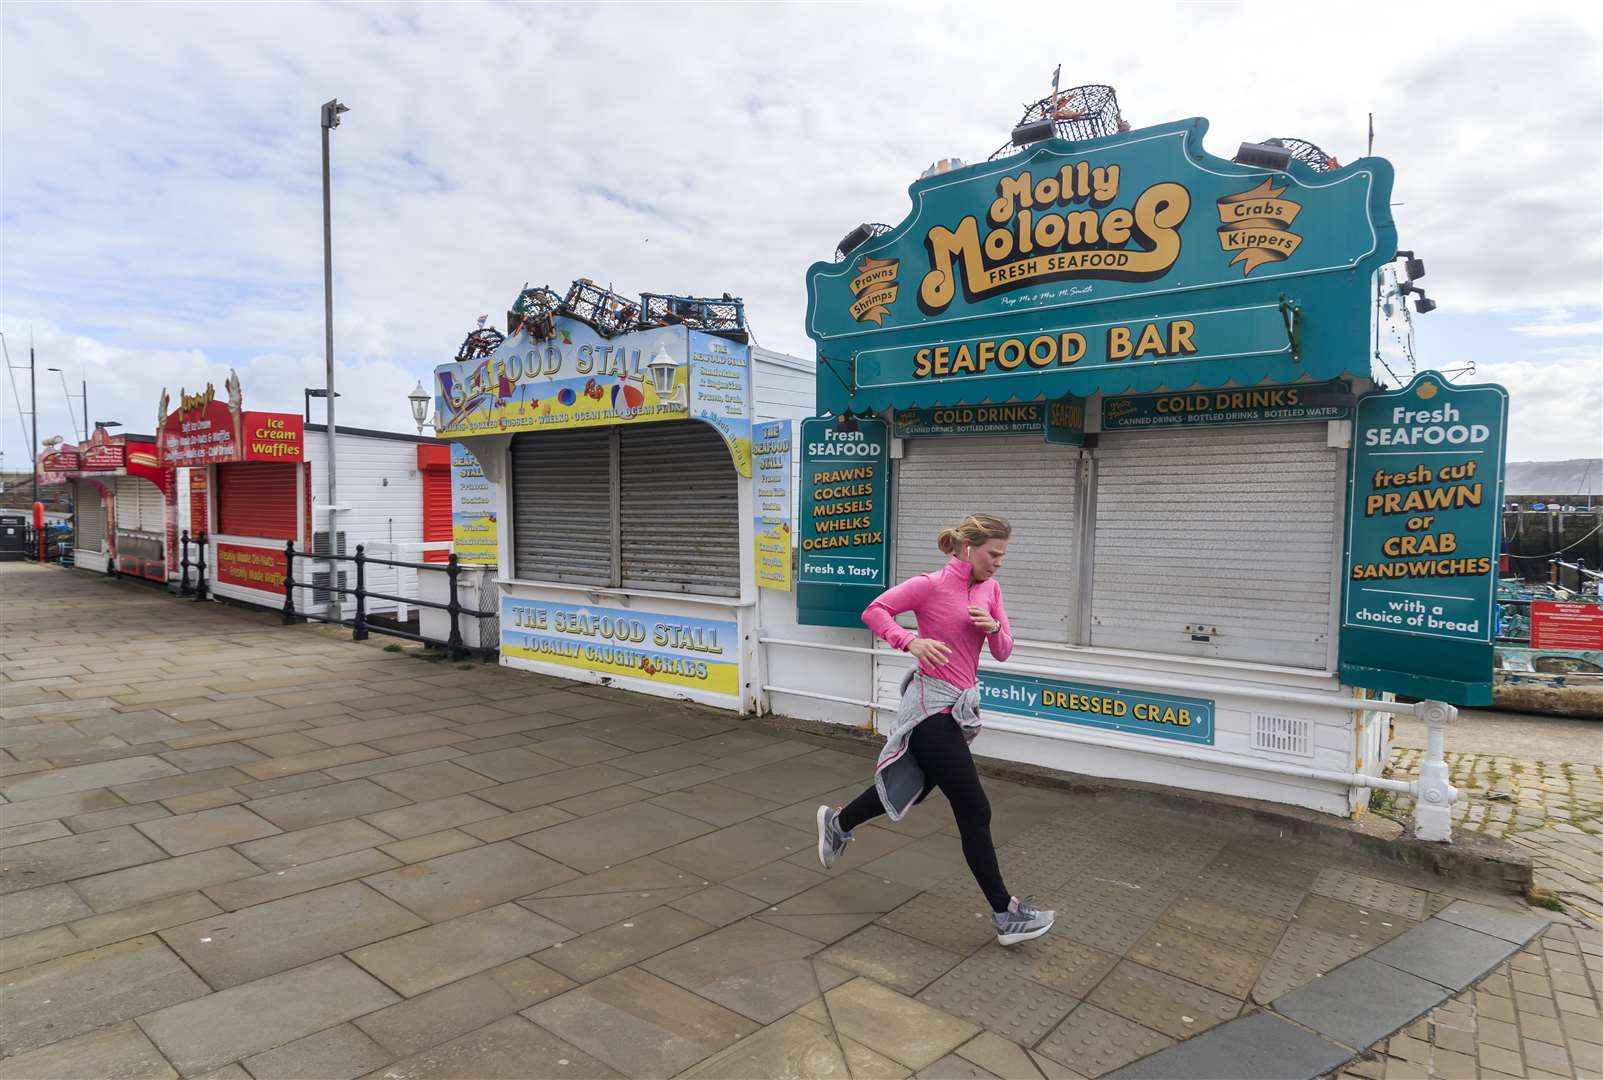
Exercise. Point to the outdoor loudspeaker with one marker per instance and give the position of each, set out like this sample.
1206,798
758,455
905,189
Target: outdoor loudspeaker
855,239
1033,132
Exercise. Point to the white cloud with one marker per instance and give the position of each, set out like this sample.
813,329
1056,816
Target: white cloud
162,189
1555,404
1561,329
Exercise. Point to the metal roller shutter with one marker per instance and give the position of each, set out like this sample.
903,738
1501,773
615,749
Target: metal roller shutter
1032,483
562,526
152,508
90,518
437,510
125,502
1233,528
257,498
680,510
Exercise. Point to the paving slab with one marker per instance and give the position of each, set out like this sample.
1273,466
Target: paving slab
471,880
236,947
906,1031
1371,893
76,778
584,914
321,805
554,787
140,919
513,763
639,1024
183,783
718,905
1445,953
184,834
442,1014
64,998
1514,926
151,881
117,1052
1262,1046
339,1053
1360,1002
986,992
38,946
313,844
436,815
46,862
1177,1008
776,881
715,804
35,909
1198,960
795,1048
903,963
428,846
741,948
636,875
444,952
245,1020
728,853
509,1049
1093,1042
57,806
39,830
614,836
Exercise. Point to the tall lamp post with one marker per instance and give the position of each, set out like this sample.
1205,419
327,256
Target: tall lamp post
331,119
83,398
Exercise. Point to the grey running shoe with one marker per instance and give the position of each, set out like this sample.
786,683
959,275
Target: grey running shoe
831,840
1022,922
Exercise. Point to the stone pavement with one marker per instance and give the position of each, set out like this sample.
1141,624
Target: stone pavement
234,849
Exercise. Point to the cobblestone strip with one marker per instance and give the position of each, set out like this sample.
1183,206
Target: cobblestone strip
1535,1016
1552,810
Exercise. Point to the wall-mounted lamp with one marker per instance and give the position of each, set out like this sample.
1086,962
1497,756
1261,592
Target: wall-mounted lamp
1263,156
663,370
419,400
1422,303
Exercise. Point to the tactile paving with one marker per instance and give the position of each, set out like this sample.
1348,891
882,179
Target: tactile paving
956,925
1055,960
987,994
1227,925
1366,926
1198,960
1261,897
1177,1008
1368,892
1093,1041
1100,924
1304,954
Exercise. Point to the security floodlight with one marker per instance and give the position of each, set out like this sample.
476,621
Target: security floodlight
854,239
108,423
331,113
1033,132
419,400
1263,156
1423,304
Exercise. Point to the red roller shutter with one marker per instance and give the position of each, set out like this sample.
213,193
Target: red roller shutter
257,498
436,510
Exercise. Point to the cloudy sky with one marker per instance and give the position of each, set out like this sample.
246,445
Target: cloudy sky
161,200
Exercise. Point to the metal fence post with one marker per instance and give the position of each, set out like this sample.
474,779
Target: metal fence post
359,631
289,582
1434,797
454,642
200,569
183,563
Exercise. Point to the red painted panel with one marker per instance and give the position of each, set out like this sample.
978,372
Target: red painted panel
257,499
437,510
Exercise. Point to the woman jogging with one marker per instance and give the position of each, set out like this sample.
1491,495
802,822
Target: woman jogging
958,607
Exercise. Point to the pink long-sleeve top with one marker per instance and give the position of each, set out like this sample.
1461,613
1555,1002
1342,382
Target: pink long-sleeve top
940,601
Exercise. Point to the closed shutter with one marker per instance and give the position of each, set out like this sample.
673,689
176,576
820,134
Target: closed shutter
152,508
125,500
436,510
90,518
1032,483
1233,528
680,510
562,506
257,498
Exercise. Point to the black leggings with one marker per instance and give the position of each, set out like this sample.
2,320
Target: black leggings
937,744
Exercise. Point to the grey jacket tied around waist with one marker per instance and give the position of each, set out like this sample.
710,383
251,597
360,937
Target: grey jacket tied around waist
898,777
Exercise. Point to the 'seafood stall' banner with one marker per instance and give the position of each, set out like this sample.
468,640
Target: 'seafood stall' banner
1424,521
205,431
474,536
257,568
671,650
772,449
580,379
844,561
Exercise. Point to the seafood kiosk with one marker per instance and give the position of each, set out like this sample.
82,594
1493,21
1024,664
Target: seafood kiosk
616,440
1155,362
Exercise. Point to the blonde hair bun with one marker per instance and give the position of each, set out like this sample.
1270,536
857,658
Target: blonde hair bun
975,529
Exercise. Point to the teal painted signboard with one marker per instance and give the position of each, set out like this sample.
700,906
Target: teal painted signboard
1296,404
1132,712
1424,520
845,558
1055,421
1124,264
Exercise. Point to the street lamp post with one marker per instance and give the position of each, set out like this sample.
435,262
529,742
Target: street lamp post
330,119
82,396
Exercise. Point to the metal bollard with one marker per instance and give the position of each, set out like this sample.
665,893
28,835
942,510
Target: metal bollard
183,563
359,630
454,643
200,570
289,582
1434,795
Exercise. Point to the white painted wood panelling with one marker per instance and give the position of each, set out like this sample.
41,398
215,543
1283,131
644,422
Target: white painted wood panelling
378,479
1233,528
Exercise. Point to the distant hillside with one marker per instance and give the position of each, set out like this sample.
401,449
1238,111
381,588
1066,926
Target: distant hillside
1577,476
